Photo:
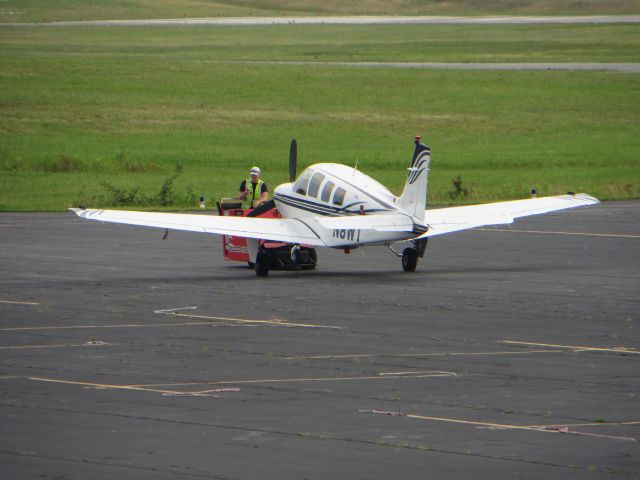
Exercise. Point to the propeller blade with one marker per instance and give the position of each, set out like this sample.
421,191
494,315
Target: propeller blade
293,160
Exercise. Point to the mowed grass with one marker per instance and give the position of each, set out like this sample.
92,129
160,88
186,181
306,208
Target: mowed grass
81,107
56,10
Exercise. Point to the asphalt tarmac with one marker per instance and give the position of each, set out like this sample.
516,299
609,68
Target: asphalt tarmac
510,353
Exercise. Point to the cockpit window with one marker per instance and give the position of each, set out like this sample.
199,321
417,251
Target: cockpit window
338,197
326,191
314,185
301,184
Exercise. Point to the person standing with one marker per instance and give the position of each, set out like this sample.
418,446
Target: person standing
253,191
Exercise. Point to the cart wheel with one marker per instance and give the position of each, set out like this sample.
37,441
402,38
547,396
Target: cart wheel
262,264
409,259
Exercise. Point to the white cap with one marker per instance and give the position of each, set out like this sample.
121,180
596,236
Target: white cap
255,170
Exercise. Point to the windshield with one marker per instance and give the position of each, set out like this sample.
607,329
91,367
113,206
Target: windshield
301,184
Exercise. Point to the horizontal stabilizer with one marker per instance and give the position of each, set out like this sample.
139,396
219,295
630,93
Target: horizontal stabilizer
454,219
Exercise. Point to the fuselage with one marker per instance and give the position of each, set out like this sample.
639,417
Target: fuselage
333,190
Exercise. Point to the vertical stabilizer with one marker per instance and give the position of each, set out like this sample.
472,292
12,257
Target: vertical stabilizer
414,196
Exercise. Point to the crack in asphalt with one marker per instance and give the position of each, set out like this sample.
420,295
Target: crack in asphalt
312,436
111,464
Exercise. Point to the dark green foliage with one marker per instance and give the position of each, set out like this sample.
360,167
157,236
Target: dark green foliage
459,192
133,197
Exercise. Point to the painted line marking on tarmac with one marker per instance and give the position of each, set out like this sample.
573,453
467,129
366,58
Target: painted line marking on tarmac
12,302
172,393
379,376
443,373
212,321
592,424
86,344
278,323
170,310
575,348
154,387
583,234
103,385
81,327
203,393
501,426
405,355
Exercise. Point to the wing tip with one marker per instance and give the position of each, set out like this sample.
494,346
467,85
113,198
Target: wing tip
585,198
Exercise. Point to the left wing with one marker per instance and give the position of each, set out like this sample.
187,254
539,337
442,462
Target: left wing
278,229
454,219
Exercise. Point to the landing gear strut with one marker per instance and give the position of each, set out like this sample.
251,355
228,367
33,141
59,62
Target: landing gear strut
411,254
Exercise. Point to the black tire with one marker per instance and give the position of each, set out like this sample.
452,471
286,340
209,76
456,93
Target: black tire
313,257
263,263
251,264
409,259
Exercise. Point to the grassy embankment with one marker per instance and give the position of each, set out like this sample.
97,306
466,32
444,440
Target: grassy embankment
50,10
81,107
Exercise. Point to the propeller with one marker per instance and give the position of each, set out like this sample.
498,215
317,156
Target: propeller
293,160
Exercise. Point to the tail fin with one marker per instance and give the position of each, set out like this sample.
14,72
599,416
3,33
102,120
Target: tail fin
414,196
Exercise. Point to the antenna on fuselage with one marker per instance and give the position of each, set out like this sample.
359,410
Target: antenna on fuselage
355,169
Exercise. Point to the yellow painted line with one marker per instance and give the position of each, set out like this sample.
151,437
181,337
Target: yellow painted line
380,376
20,347
279,323
583,234
152,387
593,424
11,302
448,374
102,385
81,327
477,424
574,347
516,427
443,354
211,321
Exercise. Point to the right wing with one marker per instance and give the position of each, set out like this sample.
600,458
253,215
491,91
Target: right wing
277,229
454,219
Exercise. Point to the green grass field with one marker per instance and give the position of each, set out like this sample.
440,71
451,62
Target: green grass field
59,10
85,106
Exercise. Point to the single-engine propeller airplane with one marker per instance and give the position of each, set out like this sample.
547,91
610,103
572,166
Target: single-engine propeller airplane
336,206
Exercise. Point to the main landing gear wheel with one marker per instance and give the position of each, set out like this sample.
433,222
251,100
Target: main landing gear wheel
263,263
409,259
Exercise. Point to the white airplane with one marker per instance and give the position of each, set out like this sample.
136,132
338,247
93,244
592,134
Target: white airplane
336,206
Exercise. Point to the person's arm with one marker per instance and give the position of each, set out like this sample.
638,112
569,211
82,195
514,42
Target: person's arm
264,193
243,190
